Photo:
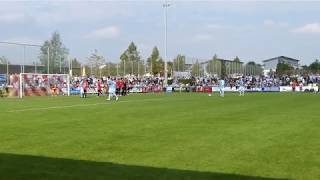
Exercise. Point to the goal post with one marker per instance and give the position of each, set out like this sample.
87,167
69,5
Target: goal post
33,84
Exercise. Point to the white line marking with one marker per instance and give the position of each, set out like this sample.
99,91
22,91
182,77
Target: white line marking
78,105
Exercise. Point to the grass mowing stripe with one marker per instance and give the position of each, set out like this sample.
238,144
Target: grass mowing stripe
79,105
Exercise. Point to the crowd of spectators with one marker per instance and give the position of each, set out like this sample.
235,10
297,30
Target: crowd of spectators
124,85
133,84
259,81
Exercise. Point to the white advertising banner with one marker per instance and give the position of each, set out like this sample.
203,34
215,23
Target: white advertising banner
298,89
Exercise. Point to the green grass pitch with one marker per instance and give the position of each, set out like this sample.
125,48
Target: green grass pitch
161,136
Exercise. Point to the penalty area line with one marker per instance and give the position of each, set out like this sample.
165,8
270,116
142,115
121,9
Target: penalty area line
79,105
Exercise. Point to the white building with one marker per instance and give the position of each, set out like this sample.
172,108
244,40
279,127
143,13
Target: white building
271,64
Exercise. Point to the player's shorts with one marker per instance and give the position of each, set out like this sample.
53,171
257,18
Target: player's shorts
112,91
241,88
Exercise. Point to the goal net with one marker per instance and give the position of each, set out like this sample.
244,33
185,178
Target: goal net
31,84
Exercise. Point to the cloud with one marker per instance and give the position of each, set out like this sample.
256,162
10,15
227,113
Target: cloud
202,37
308,28
109,32
272,23
59,12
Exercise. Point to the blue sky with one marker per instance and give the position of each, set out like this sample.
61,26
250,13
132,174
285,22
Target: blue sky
252,30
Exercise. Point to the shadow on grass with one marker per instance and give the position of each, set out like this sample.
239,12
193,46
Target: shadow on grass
34,167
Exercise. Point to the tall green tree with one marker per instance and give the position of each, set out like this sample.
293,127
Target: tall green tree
237,65
236,59
251,63
214,66
315,66
57,53
223,69
155,62
95,61
170,68
130,60
304,70
196,69
75,65
251,68
179,63
284,69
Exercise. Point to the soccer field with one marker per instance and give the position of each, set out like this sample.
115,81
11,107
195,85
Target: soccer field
161,136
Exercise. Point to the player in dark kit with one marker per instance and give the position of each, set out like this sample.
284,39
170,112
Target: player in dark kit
99,88
124,87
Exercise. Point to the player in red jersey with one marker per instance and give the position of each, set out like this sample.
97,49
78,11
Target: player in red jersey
85,87
54,90
118,87
121,84
99,88
294,85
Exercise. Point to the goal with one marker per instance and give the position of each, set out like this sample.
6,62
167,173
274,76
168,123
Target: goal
31,84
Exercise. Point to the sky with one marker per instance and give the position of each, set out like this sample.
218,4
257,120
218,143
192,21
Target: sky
251,30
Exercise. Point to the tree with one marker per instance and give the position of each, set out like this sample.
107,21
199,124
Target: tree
75,66
179,63
170,68
75,63
223,69
130,60
4,60
237,59
110,69
196,69
156,64
251,68
251,63
95,61
214,65
124,59
304,69
236,65
284,69
160,67
315,66
57,53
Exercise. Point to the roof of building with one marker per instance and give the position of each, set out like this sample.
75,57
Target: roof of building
220,60
285,57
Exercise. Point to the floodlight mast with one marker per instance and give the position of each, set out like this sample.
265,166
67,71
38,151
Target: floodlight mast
165,5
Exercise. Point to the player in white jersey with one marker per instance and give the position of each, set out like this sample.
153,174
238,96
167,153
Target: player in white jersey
81,89
112,89
241,87
221,87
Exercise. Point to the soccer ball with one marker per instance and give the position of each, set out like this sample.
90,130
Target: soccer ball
209,94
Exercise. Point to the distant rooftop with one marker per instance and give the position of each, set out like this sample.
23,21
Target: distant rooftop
220,60
285,57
